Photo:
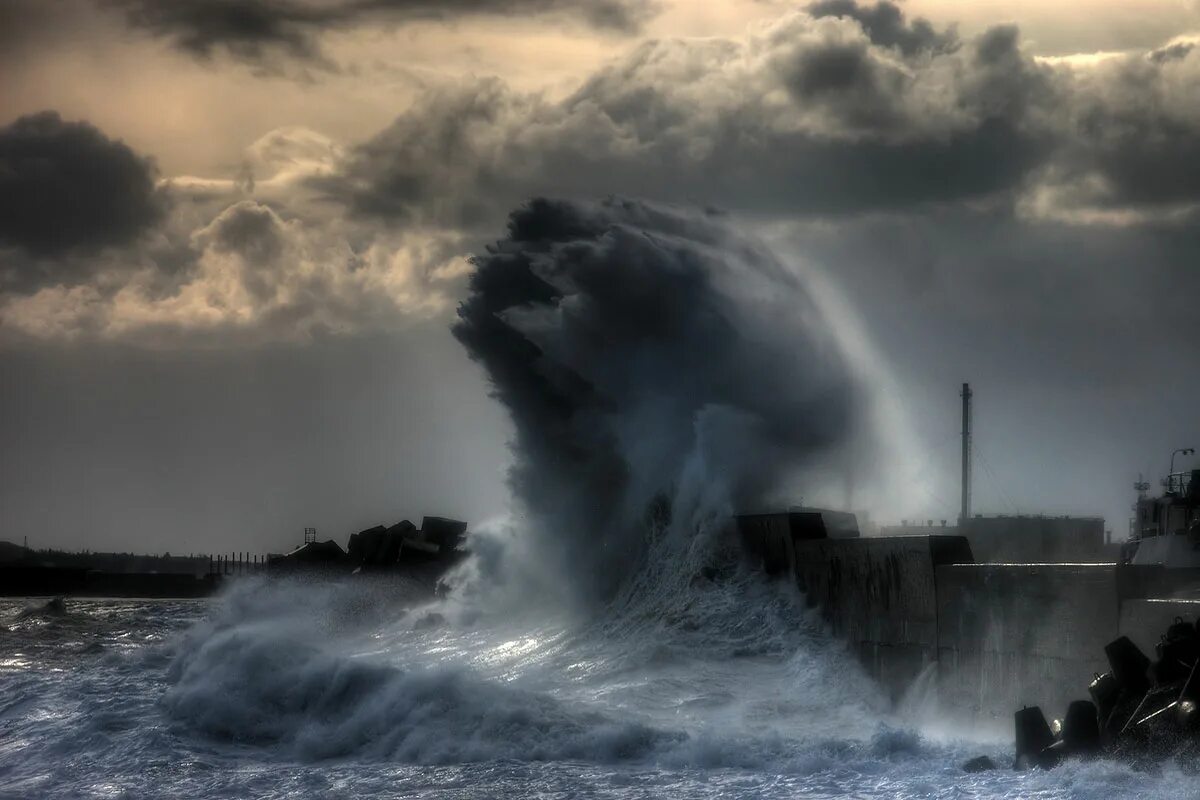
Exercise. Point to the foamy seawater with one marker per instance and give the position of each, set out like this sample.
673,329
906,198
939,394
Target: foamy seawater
729,690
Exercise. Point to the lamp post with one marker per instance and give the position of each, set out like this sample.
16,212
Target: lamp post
1185,451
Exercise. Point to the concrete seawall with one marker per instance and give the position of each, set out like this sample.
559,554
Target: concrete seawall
880,595
1021,634
996,636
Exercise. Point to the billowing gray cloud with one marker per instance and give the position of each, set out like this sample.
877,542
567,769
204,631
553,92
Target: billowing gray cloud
65,186
250,230
1130,137
884,22
251,275
820,114
73,202
257,31
808,116
824,114
246,30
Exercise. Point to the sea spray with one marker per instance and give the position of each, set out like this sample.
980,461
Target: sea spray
662,373
263,673
650,357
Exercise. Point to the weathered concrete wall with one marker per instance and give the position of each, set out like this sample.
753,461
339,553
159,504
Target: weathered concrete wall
1144,621
1001,635
1021,634
1142,581
879,594
769,538
1024,539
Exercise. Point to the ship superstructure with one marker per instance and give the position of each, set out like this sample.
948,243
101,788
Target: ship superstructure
1166,529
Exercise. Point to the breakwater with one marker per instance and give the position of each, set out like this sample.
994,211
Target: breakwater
988,637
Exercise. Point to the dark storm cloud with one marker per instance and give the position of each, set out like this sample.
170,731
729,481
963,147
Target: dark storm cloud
867,127
1005,83
834,69
629,344
67,188
843,77
1132,133
844,74
811,116
246,30
250,230
257,31
701,122
885,24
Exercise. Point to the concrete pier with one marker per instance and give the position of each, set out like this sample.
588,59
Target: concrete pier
998,636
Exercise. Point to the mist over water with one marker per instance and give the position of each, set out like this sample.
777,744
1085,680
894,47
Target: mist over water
606,640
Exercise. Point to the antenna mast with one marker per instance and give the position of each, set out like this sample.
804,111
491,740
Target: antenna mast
965,514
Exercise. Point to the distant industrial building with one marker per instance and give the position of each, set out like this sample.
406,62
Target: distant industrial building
1023,539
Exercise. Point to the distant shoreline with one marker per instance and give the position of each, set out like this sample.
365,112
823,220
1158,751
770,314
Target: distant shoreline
30,580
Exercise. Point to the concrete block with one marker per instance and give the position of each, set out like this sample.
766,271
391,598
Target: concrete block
446,533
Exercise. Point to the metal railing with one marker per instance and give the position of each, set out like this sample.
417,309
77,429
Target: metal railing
238,563
1178,482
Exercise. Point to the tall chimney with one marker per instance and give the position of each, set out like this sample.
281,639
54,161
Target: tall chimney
965,514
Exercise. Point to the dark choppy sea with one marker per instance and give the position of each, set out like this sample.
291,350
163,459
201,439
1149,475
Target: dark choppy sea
281,691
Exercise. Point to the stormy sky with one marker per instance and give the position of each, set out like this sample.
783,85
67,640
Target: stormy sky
234,235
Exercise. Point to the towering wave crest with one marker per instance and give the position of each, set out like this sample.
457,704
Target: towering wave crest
265,671
284,667
661,372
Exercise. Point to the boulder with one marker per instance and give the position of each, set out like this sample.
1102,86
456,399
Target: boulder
364,546
393,542
979,764
446,534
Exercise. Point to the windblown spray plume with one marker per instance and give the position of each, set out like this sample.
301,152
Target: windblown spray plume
653,362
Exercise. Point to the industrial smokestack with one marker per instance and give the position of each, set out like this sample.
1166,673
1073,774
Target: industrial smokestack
965,514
